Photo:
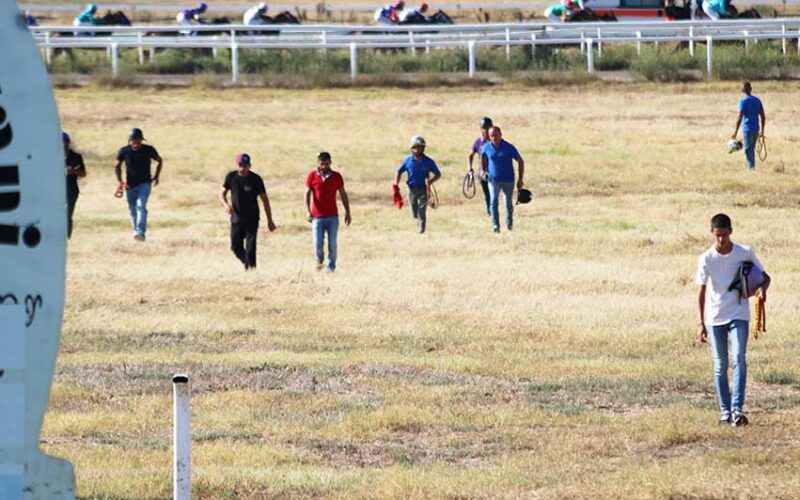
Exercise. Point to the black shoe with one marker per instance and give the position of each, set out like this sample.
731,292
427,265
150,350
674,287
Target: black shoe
496,229
739,419
725,419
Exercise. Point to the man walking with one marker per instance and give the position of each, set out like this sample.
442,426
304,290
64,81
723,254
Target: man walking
246,188
138,181
726,313
322,184
73,168
750,109
419,168
497,162
485,124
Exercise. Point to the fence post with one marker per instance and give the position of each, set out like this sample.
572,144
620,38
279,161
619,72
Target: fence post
583,43
114,59
508,46
691,41
710,56
234,62
324,40
783,38
413,45
599,43
428,46
182,439
48,52
141,47
533,46
152,54
471,54
746,43
590,55
639,43
798,41
353,61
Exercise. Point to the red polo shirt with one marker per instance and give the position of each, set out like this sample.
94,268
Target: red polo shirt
323,193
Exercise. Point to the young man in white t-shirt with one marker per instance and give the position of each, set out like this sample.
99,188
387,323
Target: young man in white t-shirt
726,314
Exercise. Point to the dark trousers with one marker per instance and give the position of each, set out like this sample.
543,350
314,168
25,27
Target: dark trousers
72,199
486,195
243,241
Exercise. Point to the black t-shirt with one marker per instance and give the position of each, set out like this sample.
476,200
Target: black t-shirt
245,190
73,160
137,163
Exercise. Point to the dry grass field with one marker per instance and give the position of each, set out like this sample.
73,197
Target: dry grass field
555,361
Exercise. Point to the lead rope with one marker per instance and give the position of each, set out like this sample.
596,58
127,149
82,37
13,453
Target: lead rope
761,147
468,188
433,197
761,318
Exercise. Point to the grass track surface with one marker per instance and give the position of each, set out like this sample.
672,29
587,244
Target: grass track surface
556,361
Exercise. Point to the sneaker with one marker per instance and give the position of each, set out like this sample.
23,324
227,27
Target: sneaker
510,227
320,265
739,419
495,229
725,419
138,237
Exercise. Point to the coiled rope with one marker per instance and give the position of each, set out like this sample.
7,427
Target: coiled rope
761,147
468,188
761,318
433,196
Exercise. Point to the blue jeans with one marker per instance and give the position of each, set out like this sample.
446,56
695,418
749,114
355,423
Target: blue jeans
736,331
137,205
320,226
507,188
750,139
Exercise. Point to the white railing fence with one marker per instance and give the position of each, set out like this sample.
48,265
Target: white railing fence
589,36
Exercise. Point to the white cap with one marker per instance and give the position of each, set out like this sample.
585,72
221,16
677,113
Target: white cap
417,140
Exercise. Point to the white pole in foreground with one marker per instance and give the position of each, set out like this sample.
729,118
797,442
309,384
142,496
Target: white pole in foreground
471,55
710,56
589,55
182,440
353,61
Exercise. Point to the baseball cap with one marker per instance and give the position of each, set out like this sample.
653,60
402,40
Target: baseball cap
486,122
243,159
65,137
417,140
136,133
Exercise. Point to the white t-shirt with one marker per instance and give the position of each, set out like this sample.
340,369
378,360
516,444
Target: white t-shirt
718,272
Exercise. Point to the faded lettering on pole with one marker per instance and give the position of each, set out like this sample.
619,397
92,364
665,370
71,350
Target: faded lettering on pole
32,256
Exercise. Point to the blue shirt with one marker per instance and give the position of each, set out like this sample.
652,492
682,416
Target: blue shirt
499,160
418,171
750,107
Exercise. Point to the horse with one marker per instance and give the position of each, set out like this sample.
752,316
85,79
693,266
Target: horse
588,15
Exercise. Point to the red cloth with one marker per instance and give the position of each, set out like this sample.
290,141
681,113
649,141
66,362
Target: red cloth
398,198
323,196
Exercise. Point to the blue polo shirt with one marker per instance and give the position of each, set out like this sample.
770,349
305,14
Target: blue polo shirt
418,171
750,107
500,165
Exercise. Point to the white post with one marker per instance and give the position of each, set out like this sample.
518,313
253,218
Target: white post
508,46
152,52
533,46
639,43
471,54
141,47
214,49
428,46
353,61
783,38
746,44
590,55
324,41
48,51
710,55
599,43
798,41
182,438
234,62
413,45
691,40
114,59
583,43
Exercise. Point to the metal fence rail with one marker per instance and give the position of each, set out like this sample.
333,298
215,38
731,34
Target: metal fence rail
590,37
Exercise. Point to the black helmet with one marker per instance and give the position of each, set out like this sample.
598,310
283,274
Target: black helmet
524,196
136,133
486,122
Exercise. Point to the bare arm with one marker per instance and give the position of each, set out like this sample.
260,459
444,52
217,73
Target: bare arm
761,293
118,171
471,156
267,211
308,205
159,164
702,334
763,120
346,204
435,178
738,123
397,178
484,166
521,167
223,199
